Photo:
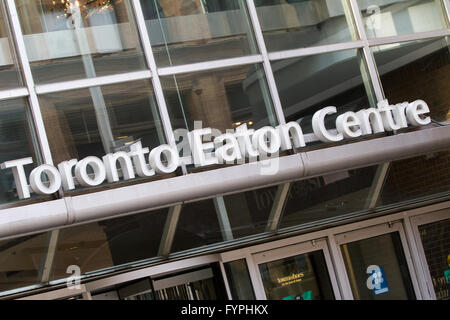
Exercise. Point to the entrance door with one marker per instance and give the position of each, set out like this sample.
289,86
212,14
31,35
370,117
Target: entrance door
204,283
297,272
378,263
431,232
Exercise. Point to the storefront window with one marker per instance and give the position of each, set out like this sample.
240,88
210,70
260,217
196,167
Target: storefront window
17,141
188,31
303,277
221,99
73,39
307,84
436,244
10,76
101,120
295,24
417,70
390,18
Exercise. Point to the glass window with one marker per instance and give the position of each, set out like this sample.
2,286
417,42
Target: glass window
10,76
20,260
90,247
415,178
328,197
17,141
221,99
377,268
188,31
249,211
417,70
73,39
436,244
239,280
310,83
100,120
206,229
295,24
390,18
108,243
303,277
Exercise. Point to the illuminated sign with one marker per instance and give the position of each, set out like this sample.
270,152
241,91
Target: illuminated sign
242,143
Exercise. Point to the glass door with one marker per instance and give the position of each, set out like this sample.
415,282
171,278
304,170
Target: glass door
432,235
203,283
378,263
297,272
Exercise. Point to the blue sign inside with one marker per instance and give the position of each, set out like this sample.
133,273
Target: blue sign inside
377,280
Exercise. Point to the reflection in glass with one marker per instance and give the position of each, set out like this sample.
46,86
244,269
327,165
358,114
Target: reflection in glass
221,99
108,243
188,31
202,284
239,280
249,211
385,252
303,277
328,197
391,18
17,141
92,247
20,261
73,39
295,24
10,76
436,244
204,231
416,178
417,70
310,83
99,120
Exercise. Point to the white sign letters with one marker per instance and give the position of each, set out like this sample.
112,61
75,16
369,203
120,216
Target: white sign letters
225,148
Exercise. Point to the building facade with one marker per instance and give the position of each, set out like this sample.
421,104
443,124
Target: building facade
114,118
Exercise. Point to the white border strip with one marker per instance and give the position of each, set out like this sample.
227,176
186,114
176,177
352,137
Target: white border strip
409,37
286,54
266,62
159,93
28,77
372,69
92,82
14,93
210,65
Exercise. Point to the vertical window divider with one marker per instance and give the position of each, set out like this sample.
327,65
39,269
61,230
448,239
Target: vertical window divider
157,87
446,6
29,82
266,62
374,77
